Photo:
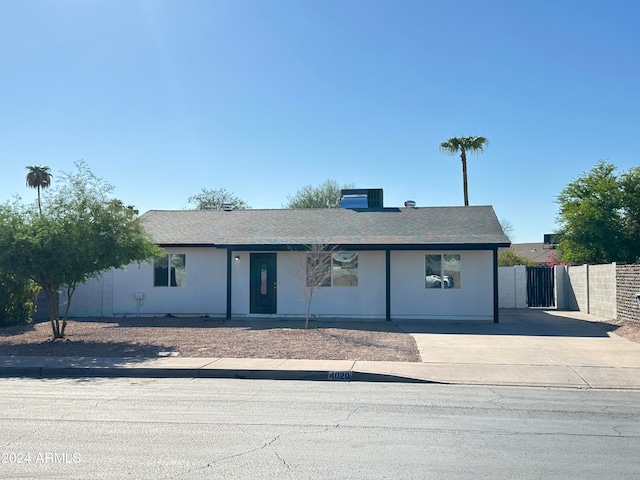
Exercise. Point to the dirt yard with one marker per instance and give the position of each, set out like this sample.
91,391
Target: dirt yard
628,330
203,337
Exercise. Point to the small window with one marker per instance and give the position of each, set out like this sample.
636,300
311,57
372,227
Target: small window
170,271
337,270
442,271
345,269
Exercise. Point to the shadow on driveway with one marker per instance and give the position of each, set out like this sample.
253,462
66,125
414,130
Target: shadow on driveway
525,322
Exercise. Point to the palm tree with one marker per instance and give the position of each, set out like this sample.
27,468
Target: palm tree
463,145
39,177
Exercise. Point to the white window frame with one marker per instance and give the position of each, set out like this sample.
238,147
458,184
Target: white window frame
180,280
434,280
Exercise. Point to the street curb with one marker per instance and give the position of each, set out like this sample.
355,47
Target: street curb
135,372
43,372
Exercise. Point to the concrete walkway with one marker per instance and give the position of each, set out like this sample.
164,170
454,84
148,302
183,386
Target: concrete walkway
527,348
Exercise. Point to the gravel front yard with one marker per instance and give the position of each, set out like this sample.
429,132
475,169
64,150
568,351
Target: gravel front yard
204,337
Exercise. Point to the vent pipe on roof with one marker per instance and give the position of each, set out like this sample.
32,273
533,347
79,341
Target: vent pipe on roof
410,204
227,207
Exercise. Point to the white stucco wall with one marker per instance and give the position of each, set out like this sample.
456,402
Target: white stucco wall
91,299
367,300
206,288
512,287
204,293
472,301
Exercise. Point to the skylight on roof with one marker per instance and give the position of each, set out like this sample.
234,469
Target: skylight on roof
354,201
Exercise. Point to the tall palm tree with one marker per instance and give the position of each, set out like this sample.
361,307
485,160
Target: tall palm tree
463,145
38,177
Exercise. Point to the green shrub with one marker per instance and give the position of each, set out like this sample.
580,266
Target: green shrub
17,299
509,258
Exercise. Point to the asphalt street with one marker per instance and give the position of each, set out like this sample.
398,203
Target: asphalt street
177,428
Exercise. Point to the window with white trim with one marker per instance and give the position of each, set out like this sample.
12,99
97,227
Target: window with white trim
338,269
170,270
442,270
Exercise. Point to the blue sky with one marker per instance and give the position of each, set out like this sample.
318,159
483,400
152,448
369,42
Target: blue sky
162,98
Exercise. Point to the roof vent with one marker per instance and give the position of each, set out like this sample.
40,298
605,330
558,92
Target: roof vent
410,204
227,207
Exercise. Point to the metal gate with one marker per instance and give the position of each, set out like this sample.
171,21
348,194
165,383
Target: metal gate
540,287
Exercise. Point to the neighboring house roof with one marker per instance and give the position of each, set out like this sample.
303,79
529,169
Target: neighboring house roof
474,225
536,252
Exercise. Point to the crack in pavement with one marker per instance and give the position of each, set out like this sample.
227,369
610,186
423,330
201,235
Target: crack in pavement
31,433
229,457
346,419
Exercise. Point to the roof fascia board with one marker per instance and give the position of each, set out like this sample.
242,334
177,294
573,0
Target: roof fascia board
186,245
362,247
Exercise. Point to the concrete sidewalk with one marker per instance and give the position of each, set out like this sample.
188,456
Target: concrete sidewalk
528,348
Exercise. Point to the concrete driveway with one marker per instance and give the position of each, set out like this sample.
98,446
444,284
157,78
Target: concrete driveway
563,348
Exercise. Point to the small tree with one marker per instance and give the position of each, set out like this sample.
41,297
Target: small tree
82,233
509,258
212,199
507,228
325,195
313,271
598,216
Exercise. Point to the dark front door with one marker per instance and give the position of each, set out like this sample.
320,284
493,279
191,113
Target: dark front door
263,283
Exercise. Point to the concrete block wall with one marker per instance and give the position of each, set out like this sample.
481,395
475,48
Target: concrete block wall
578,277
592,289
607,291
602,290
627,286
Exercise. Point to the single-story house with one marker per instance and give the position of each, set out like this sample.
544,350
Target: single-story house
538,253
386,263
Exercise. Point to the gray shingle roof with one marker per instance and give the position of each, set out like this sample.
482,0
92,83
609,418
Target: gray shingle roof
476,225
536,252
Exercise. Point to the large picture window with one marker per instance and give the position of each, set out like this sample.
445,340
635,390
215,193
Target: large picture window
332,269
170,270
442,271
